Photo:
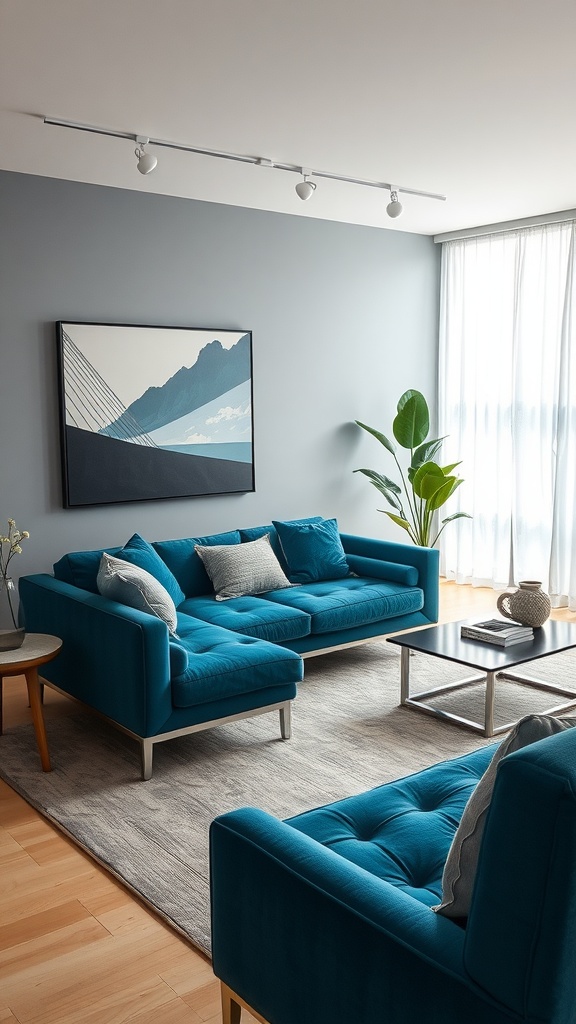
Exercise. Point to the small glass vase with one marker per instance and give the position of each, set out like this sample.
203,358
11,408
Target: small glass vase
11,634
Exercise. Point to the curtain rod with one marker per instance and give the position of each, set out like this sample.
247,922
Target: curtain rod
508,225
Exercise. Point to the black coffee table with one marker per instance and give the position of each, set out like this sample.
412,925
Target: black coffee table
493,662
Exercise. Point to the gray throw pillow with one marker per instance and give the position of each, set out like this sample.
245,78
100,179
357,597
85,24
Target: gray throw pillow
129,584
240,569
462,861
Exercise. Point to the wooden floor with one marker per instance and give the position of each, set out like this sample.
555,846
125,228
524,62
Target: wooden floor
74,944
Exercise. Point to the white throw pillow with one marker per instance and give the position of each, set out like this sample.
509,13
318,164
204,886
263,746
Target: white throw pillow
129,584
240,569
462,861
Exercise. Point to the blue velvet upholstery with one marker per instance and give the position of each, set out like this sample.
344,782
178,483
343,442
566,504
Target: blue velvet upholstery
222,664
254,532
139,552
80,568
254,616
342,604
312,551
337,901
123,663
401,833
185,563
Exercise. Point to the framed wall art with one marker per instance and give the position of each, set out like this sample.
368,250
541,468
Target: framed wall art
153,412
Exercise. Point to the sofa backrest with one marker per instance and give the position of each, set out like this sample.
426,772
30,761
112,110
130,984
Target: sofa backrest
186,564
521,933
80,568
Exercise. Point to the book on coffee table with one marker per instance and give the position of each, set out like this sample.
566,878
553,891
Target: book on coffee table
502,632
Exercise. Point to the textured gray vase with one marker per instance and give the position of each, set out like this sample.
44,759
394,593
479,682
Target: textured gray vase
529,605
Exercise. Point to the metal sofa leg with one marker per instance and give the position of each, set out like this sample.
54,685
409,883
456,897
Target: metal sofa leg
286,720
146,752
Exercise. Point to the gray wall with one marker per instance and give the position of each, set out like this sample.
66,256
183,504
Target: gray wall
344,319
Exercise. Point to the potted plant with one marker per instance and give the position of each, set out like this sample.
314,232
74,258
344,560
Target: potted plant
426,486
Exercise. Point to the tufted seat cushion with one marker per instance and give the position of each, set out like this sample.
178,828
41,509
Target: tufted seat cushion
342,604
222,664
251,615
401,832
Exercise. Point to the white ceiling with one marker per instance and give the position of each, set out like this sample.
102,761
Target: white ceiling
473,99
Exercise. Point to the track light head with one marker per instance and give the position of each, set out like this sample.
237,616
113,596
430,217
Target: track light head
394,208
304,189
146,161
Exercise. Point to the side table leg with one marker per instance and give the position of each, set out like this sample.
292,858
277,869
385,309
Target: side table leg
37,716
489,704
404,674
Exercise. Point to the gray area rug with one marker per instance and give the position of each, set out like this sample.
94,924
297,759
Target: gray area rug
348,735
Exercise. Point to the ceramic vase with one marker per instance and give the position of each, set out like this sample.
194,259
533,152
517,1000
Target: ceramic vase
529,605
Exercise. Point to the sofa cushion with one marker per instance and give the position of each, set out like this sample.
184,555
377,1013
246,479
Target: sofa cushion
139,552
252,616
185,563
254,532
313,550
393,572
462,861
401,832
80,568
121,581
240,569
349,602
222,664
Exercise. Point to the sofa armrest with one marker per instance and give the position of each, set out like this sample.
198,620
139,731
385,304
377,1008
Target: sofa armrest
425,560
301,934
114,658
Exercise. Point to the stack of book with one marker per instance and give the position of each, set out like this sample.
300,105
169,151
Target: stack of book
502,632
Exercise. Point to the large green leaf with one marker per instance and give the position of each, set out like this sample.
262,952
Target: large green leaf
457,515
411,425
383,484
444,492
449,519
379,436
427,479
426,452
396,519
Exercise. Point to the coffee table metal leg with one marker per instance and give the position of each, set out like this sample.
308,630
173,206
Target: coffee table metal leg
33,685
489,704
404,674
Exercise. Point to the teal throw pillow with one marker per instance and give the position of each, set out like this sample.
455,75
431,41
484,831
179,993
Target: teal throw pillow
139,552
313,550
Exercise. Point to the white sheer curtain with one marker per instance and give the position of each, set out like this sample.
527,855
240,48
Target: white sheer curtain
507,400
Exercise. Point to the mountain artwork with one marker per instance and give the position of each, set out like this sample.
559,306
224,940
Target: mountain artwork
153,412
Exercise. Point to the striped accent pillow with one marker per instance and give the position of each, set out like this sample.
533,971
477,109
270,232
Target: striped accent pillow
240,569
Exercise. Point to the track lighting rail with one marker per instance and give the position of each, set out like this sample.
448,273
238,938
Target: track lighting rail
147,163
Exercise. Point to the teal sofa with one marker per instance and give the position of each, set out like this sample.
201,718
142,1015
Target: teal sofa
228,659
327,917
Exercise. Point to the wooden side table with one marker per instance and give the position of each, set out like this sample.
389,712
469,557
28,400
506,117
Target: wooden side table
37,649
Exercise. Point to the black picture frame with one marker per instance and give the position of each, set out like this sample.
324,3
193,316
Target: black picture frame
149,412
